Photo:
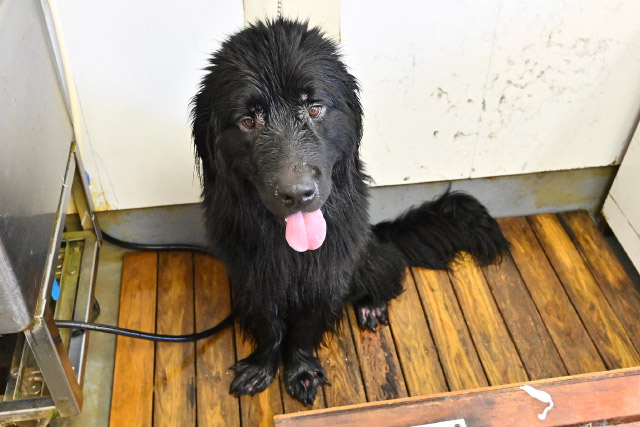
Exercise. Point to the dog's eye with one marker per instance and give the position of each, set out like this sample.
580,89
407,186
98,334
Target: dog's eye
248,123
315,110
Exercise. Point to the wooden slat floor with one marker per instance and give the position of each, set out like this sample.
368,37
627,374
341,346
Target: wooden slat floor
559,304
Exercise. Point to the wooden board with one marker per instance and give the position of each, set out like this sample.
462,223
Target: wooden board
459,359
260,409
214,355
417,354
591,399
379,363
527,330
574,345
620,291
459,331
340,360
603,325
132,396
492,341
175,388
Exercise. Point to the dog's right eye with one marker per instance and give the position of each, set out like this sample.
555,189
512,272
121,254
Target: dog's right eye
248,123
315,111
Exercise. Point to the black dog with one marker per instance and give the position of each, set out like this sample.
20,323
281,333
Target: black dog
277,125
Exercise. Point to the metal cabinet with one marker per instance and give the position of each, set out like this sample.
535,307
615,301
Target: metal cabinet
40,173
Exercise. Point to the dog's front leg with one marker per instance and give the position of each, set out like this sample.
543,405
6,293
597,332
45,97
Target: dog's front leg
254,373
303,372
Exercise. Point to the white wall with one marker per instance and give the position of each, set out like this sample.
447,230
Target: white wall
451,89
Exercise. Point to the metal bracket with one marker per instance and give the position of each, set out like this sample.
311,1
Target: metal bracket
82,311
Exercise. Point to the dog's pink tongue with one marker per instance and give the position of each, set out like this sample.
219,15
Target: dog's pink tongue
306,230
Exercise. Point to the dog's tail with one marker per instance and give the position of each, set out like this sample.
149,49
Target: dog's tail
432,234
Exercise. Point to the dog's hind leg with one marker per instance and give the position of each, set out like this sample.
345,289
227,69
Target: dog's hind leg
377,279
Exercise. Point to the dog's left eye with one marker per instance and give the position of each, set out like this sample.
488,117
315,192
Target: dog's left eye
248,123
315,111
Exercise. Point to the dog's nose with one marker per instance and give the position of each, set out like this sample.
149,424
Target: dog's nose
300,193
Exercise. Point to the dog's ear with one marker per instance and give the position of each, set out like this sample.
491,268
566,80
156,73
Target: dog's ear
203,131
351,94
350,169
355,106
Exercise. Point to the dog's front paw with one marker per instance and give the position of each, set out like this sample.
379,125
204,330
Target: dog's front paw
253,375
303,375
369,316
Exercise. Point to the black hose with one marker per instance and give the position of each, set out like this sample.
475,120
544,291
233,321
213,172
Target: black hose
71,324
145,335
155,247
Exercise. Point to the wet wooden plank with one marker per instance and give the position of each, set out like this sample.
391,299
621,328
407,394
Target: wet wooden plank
340,360
175,388
607,270
535,346
603,325
216,354
458,356
379,363
497,352
574,345
257,410
416,351
132,395
594,399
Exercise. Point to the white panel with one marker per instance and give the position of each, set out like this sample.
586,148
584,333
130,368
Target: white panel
625,188
563,90
457,89
422,67
136,65
625,233
622,207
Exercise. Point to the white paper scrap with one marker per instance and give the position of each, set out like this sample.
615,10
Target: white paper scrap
542,396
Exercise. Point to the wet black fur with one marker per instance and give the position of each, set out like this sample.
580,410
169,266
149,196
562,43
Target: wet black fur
284,300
